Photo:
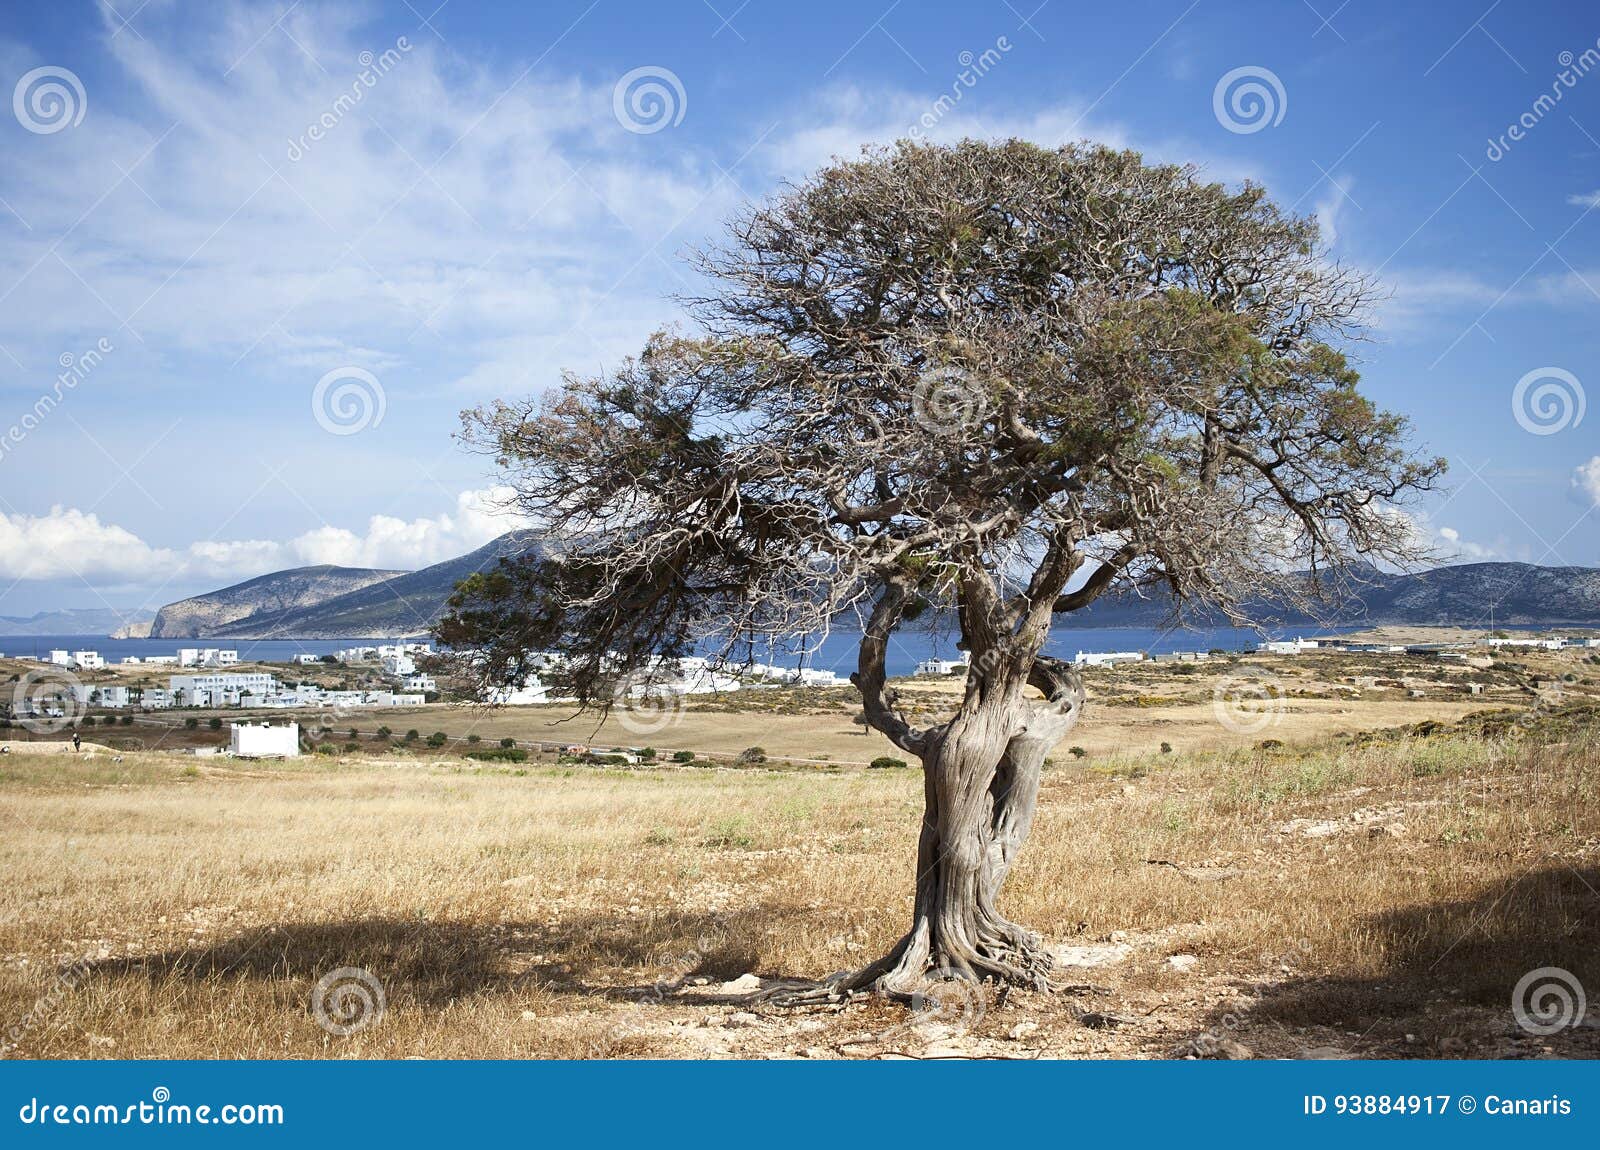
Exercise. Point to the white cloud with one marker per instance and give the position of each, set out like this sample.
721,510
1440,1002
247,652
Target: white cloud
68,543
1458,548
1585,200
1331,205
1586,479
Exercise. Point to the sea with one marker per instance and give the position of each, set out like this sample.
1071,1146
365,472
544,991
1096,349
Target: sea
835,652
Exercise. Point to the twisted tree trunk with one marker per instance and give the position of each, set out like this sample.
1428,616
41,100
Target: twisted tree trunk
981,775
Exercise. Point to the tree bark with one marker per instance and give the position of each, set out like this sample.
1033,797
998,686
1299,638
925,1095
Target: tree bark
981,775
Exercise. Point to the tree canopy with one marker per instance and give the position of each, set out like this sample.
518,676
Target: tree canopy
990,378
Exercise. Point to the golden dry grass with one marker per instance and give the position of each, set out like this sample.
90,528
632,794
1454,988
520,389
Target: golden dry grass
1340,895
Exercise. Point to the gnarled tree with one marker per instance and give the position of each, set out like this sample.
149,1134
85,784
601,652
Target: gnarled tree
992,379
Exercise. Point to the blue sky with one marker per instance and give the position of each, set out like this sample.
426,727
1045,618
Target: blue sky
274,329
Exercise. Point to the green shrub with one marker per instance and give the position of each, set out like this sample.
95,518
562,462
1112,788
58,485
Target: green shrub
508,742
438,739
191,722
683,756
1077,752
499,755
327,749
474,739
885,762
127,720
214,723
750,756
413,735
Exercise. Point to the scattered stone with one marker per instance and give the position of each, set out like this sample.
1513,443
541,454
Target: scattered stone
1182,963
101,1040
1093,954
1022,1030
741,1019
1325,1053
1096,1020
744,984
1231,1050
529,1016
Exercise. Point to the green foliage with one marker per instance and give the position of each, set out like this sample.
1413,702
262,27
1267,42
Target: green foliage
508,741
886,762
750,756
438,739
683,756
499,755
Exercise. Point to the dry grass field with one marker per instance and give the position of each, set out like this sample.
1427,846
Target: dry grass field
1371,896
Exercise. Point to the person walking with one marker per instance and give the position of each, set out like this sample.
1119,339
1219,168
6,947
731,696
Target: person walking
77,741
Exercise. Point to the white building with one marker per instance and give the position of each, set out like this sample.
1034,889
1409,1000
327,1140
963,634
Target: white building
231,688
60,659
531,693
161,660
943,666
1287,646
87,661
257,740
399,663
419,682
1106,658
1537,644
114,697
307,660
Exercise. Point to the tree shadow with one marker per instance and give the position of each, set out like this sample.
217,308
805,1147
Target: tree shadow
1451,970
434,963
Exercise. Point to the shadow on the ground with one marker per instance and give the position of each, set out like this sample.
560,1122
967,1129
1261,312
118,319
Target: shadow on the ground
434,962
1448,980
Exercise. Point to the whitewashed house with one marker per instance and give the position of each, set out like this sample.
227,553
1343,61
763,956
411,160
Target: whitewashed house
59,659
1106,658
943,666
87,661
262,740
1287,646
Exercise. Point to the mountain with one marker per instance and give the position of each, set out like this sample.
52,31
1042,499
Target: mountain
81,621
396,604
1467,595
309,603
282,591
